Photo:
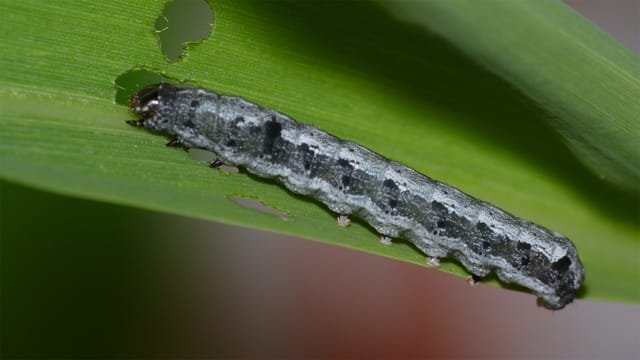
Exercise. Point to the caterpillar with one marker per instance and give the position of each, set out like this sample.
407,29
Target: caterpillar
397,201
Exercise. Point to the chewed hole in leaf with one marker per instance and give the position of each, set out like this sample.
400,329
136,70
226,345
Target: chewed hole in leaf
133,80
208,156
202,155
183,22
257,205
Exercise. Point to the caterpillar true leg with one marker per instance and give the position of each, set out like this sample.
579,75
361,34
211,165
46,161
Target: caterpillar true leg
174,143
216,163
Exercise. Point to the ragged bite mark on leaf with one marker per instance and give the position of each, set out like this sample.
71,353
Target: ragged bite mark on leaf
208,157
257,205
134,79
183,22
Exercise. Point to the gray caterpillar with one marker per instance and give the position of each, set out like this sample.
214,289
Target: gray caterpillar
394,199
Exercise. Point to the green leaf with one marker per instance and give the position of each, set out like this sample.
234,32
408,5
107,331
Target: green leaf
587,83
389,86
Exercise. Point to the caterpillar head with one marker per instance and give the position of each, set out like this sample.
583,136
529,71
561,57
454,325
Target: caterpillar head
149,103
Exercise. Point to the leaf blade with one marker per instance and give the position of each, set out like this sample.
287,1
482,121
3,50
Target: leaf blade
63,132
585,81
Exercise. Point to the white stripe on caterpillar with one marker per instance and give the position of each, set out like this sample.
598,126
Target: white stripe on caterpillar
348,178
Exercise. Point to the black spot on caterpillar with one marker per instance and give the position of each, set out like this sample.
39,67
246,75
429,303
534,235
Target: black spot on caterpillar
348,178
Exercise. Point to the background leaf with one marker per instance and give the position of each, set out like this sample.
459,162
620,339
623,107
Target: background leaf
387,85
586,82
